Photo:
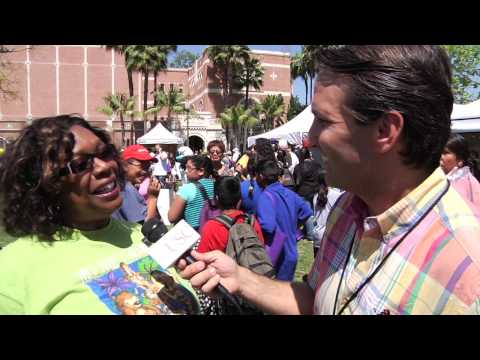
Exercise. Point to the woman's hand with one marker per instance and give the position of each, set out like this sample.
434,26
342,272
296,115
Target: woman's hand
154,187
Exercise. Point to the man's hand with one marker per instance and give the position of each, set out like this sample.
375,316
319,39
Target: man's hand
154,187
210,269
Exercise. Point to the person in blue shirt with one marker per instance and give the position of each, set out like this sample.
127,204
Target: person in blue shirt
136,163
250,189
280,211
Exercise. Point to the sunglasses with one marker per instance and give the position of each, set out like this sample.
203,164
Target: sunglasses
86,162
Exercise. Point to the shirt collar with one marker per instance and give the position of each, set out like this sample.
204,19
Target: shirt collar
402,215
458,173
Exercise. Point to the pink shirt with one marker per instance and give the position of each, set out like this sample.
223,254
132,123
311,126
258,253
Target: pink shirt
465,183
143,189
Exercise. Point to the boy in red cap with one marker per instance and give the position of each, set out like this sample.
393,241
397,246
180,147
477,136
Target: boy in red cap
136,164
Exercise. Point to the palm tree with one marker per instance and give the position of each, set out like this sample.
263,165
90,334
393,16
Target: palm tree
121,49
250,74
272,108
309,55
174,101
239,119
298,69
119,105
226,59
146,59
160,66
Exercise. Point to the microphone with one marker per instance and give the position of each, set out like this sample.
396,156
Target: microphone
153,230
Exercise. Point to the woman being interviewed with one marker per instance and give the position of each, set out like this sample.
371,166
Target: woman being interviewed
61,182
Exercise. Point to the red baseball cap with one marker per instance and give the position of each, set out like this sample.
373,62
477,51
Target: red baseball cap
138,152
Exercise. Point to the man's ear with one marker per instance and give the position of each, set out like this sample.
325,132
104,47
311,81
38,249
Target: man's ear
389,130
239,204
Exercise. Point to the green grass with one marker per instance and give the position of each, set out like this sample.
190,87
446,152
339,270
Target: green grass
305,258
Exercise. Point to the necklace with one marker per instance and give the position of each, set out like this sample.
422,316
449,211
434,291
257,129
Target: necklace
379,266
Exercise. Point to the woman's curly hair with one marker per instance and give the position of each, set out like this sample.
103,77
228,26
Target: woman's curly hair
30,179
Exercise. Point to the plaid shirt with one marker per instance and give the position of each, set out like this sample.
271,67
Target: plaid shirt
434,270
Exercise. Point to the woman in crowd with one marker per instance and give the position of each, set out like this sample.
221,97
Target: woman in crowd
221,165
188,202
462,168
61,181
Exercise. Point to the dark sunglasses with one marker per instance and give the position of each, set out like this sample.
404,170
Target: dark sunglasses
85,162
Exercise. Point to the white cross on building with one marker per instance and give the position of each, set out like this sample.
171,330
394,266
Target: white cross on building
273,76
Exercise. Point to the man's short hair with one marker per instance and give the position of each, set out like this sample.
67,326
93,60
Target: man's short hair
227,190
269,169
264,149
414,80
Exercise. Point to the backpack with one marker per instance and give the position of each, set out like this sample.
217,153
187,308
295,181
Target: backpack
246,249
209,209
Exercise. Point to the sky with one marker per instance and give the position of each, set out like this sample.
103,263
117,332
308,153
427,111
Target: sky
298,85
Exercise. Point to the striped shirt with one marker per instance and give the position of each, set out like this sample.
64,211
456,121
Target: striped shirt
193,197
434,270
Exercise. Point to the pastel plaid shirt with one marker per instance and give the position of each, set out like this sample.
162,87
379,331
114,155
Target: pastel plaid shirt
434,270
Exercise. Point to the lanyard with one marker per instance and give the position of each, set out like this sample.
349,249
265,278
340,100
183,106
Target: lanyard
374,272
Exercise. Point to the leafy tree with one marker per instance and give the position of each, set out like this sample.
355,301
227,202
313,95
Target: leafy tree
465,61
294,108
271,109
6,84
119,105
184,59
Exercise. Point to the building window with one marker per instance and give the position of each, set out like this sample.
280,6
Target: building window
171,87
162,87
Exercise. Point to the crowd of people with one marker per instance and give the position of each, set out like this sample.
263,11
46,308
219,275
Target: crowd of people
388,197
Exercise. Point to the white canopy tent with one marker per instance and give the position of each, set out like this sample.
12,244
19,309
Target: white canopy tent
159,135
294,130
466,118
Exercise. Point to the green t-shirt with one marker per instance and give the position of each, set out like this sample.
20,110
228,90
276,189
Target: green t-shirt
106,271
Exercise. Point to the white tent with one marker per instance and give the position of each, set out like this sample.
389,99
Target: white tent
466,118
294,130
159,135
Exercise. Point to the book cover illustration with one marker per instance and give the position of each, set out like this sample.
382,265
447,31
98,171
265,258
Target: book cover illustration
143,288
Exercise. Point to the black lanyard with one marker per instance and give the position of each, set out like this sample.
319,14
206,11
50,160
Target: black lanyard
370,277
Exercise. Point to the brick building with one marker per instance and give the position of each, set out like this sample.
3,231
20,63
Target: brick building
59,79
